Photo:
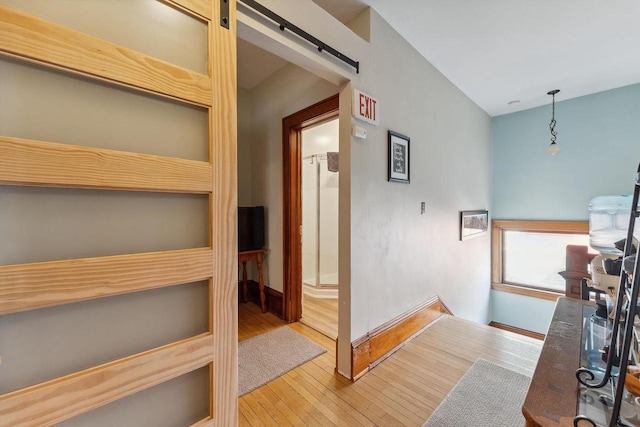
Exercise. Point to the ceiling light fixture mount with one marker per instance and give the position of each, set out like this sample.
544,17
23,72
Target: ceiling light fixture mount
553,147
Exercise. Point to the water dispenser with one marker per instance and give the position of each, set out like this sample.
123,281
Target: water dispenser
608,222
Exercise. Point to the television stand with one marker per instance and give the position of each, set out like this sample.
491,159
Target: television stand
256,255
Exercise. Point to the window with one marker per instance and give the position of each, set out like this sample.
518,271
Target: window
527,255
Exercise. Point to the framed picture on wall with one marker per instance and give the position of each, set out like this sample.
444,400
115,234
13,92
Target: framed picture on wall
473,223
398,168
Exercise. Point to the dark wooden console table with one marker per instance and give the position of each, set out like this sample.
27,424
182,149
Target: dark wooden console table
553,394
255,255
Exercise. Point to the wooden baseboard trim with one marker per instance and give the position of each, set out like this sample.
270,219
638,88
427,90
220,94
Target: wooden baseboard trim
274,298
381,342
526,291
520,331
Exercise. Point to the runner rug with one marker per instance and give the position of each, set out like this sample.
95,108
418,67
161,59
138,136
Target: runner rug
266,357
487,395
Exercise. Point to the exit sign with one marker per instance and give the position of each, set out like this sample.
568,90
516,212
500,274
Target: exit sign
366,107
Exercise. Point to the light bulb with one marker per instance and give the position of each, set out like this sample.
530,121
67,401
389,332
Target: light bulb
553,149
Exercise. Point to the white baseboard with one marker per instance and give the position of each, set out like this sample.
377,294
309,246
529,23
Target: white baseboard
314,292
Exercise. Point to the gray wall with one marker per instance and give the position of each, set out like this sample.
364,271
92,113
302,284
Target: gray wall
400,258
289,90
245,130
395,258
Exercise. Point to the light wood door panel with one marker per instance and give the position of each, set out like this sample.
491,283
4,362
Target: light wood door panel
23,162
28,162
44,284
62,398
34,39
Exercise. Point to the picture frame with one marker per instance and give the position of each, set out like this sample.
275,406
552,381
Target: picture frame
399,158
473,223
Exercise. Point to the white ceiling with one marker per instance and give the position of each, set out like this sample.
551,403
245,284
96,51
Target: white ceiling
497,51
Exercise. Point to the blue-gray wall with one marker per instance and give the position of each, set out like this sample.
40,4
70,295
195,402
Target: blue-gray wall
600,139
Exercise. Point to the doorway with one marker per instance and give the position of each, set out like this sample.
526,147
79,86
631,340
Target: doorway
295,168
319,174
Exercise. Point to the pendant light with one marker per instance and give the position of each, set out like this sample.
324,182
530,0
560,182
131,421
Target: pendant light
553,147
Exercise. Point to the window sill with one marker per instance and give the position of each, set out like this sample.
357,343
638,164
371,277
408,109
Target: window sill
529,292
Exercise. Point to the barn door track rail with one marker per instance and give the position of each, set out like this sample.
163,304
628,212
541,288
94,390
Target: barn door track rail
286,25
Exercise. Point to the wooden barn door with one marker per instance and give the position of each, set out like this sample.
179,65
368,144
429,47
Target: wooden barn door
118,267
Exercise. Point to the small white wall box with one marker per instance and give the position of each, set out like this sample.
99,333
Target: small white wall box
358,132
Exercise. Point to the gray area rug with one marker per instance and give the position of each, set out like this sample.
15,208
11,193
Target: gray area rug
266,357
487,395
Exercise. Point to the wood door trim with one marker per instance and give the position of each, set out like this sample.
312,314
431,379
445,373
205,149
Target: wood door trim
292,213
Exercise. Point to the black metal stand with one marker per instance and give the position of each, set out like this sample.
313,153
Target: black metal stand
624,312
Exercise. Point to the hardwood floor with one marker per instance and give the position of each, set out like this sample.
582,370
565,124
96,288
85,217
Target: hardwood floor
252,321
321,314
401,391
